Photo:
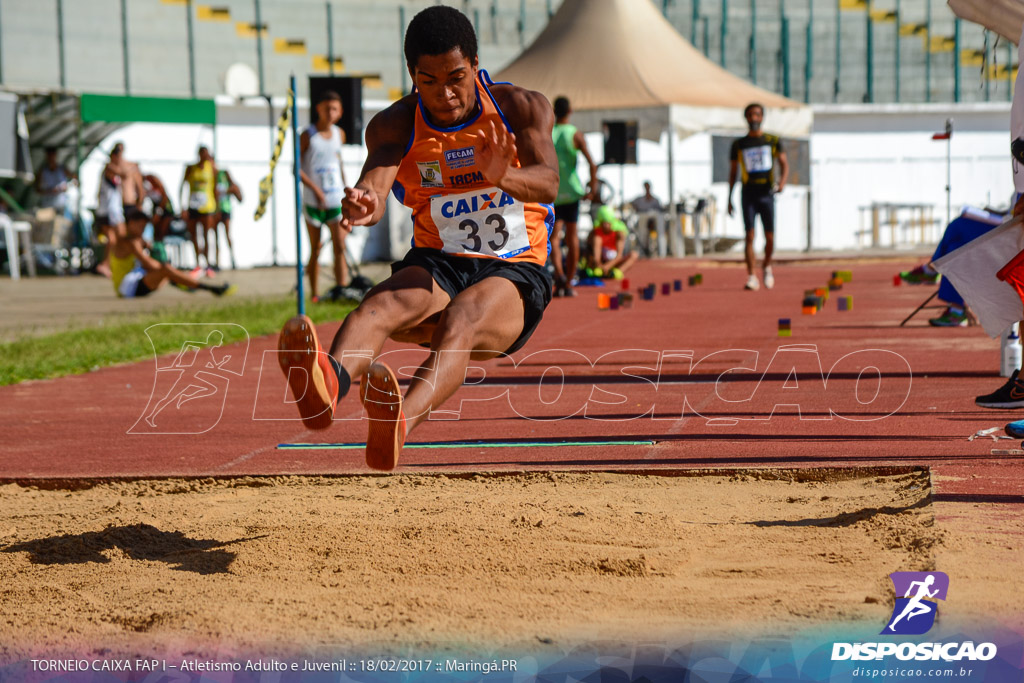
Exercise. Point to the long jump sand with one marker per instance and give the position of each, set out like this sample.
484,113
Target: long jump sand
453,562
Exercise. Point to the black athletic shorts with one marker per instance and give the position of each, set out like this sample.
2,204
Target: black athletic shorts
455,274
570,213
758,203
198,215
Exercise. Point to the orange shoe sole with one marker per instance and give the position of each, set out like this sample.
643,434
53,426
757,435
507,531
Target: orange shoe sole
316,397
382,399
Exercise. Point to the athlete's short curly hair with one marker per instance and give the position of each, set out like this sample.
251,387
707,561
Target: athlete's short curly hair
562,107
438,30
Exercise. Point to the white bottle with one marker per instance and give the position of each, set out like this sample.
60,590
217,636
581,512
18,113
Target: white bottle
1009,352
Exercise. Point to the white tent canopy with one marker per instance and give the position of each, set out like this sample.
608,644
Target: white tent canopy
622,59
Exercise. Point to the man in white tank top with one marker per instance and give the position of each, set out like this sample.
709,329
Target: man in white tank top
324,187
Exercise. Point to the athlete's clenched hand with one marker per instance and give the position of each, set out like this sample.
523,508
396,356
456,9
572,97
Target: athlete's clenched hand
358,206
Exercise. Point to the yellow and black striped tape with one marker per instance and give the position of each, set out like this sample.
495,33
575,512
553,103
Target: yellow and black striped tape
267,184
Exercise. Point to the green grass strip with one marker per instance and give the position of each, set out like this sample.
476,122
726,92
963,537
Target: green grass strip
78,351
459,444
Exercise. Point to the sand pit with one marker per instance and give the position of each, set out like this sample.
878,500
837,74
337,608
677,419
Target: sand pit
309,565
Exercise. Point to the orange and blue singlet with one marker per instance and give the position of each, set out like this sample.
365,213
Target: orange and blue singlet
454,208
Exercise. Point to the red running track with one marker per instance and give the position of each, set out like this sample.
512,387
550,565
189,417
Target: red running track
702,373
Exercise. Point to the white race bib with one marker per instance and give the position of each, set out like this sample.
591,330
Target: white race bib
758,159
328,178
487,222
197,200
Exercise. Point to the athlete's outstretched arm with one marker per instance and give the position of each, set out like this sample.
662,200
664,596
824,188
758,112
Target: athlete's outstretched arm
386,138
531,118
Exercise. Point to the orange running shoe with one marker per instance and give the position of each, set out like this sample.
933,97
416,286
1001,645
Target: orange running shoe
316,389
382,399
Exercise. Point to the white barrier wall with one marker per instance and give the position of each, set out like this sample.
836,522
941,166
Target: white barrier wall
859,154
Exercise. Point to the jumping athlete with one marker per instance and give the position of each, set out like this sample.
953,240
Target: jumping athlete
756,155
475,162
202,203
323,179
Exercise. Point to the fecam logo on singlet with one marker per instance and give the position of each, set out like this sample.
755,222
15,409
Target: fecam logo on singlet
460,158
430,174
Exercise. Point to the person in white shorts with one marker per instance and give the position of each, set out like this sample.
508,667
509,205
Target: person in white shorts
323,179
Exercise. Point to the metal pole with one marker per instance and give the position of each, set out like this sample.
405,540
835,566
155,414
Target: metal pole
259,45
694,18
986,65
949,170
1009,72
124,46
869,53
928,54
784,48
752,59
298,198
707,36
723,32
809,51
191,49
78,165
494,21
835,84
810,217
522,23
273,195
403,68
330,41
898,24
2,52
956,61
60,43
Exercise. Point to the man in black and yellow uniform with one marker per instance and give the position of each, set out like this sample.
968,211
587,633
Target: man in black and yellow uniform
756,156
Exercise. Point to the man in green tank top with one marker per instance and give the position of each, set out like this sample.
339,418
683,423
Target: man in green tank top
569,142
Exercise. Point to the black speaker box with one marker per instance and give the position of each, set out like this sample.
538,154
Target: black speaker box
619,142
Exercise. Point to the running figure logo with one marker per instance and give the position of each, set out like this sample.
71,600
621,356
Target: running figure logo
914,613
190,390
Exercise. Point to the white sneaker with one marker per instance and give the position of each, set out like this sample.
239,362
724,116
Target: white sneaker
752,283
769,278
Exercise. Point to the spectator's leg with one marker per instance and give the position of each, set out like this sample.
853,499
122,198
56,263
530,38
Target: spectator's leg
572,259
338,236
313,267
768,224
556,251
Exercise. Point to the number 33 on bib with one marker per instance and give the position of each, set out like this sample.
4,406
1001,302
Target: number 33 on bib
487,222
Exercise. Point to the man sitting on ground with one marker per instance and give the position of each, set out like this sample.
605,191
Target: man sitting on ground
135,273
607,255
